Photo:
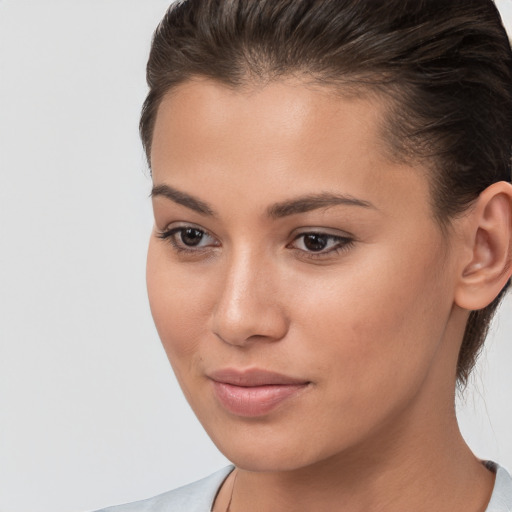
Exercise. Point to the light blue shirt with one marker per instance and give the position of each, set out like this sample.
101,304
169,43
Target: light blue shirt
199,496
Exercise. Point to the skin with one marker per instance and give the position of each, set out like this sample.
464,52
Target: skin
372,322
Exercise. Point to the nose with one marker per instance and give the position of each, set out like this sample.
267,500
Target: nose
248,307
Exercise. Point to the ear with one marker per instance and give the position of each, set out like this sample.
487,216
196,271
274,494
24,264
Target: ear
488,243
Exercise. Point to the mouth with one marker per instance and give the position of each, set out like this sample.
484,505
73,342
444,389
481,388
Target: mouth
254,392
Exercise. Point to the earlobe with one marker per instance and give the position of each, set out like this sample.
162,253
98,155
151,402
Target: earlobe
489,238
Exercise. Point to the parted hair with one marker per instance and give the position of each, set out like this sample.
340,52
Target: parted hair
444,66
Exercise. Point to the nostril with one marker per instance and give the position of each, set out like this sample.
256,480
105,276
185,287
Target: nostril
262,326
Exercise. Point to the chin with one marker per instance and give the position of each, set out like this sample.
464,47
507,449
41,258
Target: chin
267,461
268,449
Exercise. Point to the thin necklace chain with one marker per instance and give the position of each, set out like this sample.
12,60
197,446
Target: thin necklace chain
228,509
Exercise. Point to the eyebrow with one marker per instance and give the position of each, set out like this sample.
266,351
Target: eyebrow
314,202
182,198
295,206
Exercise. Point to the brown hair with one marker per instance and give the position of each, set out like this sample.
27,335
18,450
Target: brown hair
446,65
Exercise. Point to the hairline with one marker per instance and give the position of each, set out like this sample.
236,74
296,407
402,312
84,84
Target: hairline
376,87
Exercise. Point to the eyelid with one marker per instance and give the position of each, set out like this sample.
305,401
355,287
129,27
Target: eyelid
344,241
168,234
321,231
183,224
177,225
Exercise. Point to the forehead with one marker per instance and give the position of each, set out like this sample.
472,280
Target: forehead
289,134
289,111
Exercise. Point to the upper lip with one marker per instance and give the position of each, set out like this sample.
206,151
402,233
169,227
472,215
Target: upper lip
253,377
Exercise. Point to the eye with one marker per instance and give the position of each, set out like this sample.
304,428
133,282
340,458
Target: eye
191,237
319,244
188,238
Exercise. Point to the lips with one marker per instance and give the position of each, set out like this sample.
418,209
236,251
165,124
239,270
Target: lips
254,392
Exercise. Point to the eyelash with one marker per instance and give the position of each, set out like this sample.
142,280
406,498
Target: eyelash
180,247
342,243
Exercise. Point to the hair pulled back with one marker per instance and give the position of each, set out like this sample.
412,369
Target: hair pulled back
445,65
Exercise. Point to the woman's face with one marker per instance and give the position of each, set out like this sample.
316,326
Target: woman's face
297,279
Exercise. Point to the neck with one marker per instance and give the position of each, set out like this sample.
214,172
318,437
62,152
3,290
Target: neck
433,476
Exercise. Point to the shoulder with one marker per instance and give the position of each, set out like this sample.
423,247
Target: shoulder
199,496
194,497
501,499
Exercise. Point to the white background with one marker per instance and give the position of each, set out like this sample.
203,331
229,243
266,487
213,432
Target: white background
90,413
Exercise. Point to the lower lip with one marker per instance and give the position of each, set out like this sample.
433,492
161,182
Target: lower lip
254,401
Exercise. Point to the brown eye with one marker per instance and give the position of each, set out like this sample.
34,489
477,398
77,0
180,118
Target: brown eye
315,242
191,236
318,244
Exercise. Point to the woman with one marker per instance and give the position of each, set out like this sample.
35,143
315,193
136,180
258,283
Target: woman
333,233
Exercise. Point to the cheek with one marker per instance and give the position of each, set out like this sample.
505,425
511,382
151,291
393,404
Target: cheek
377,325
179,302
